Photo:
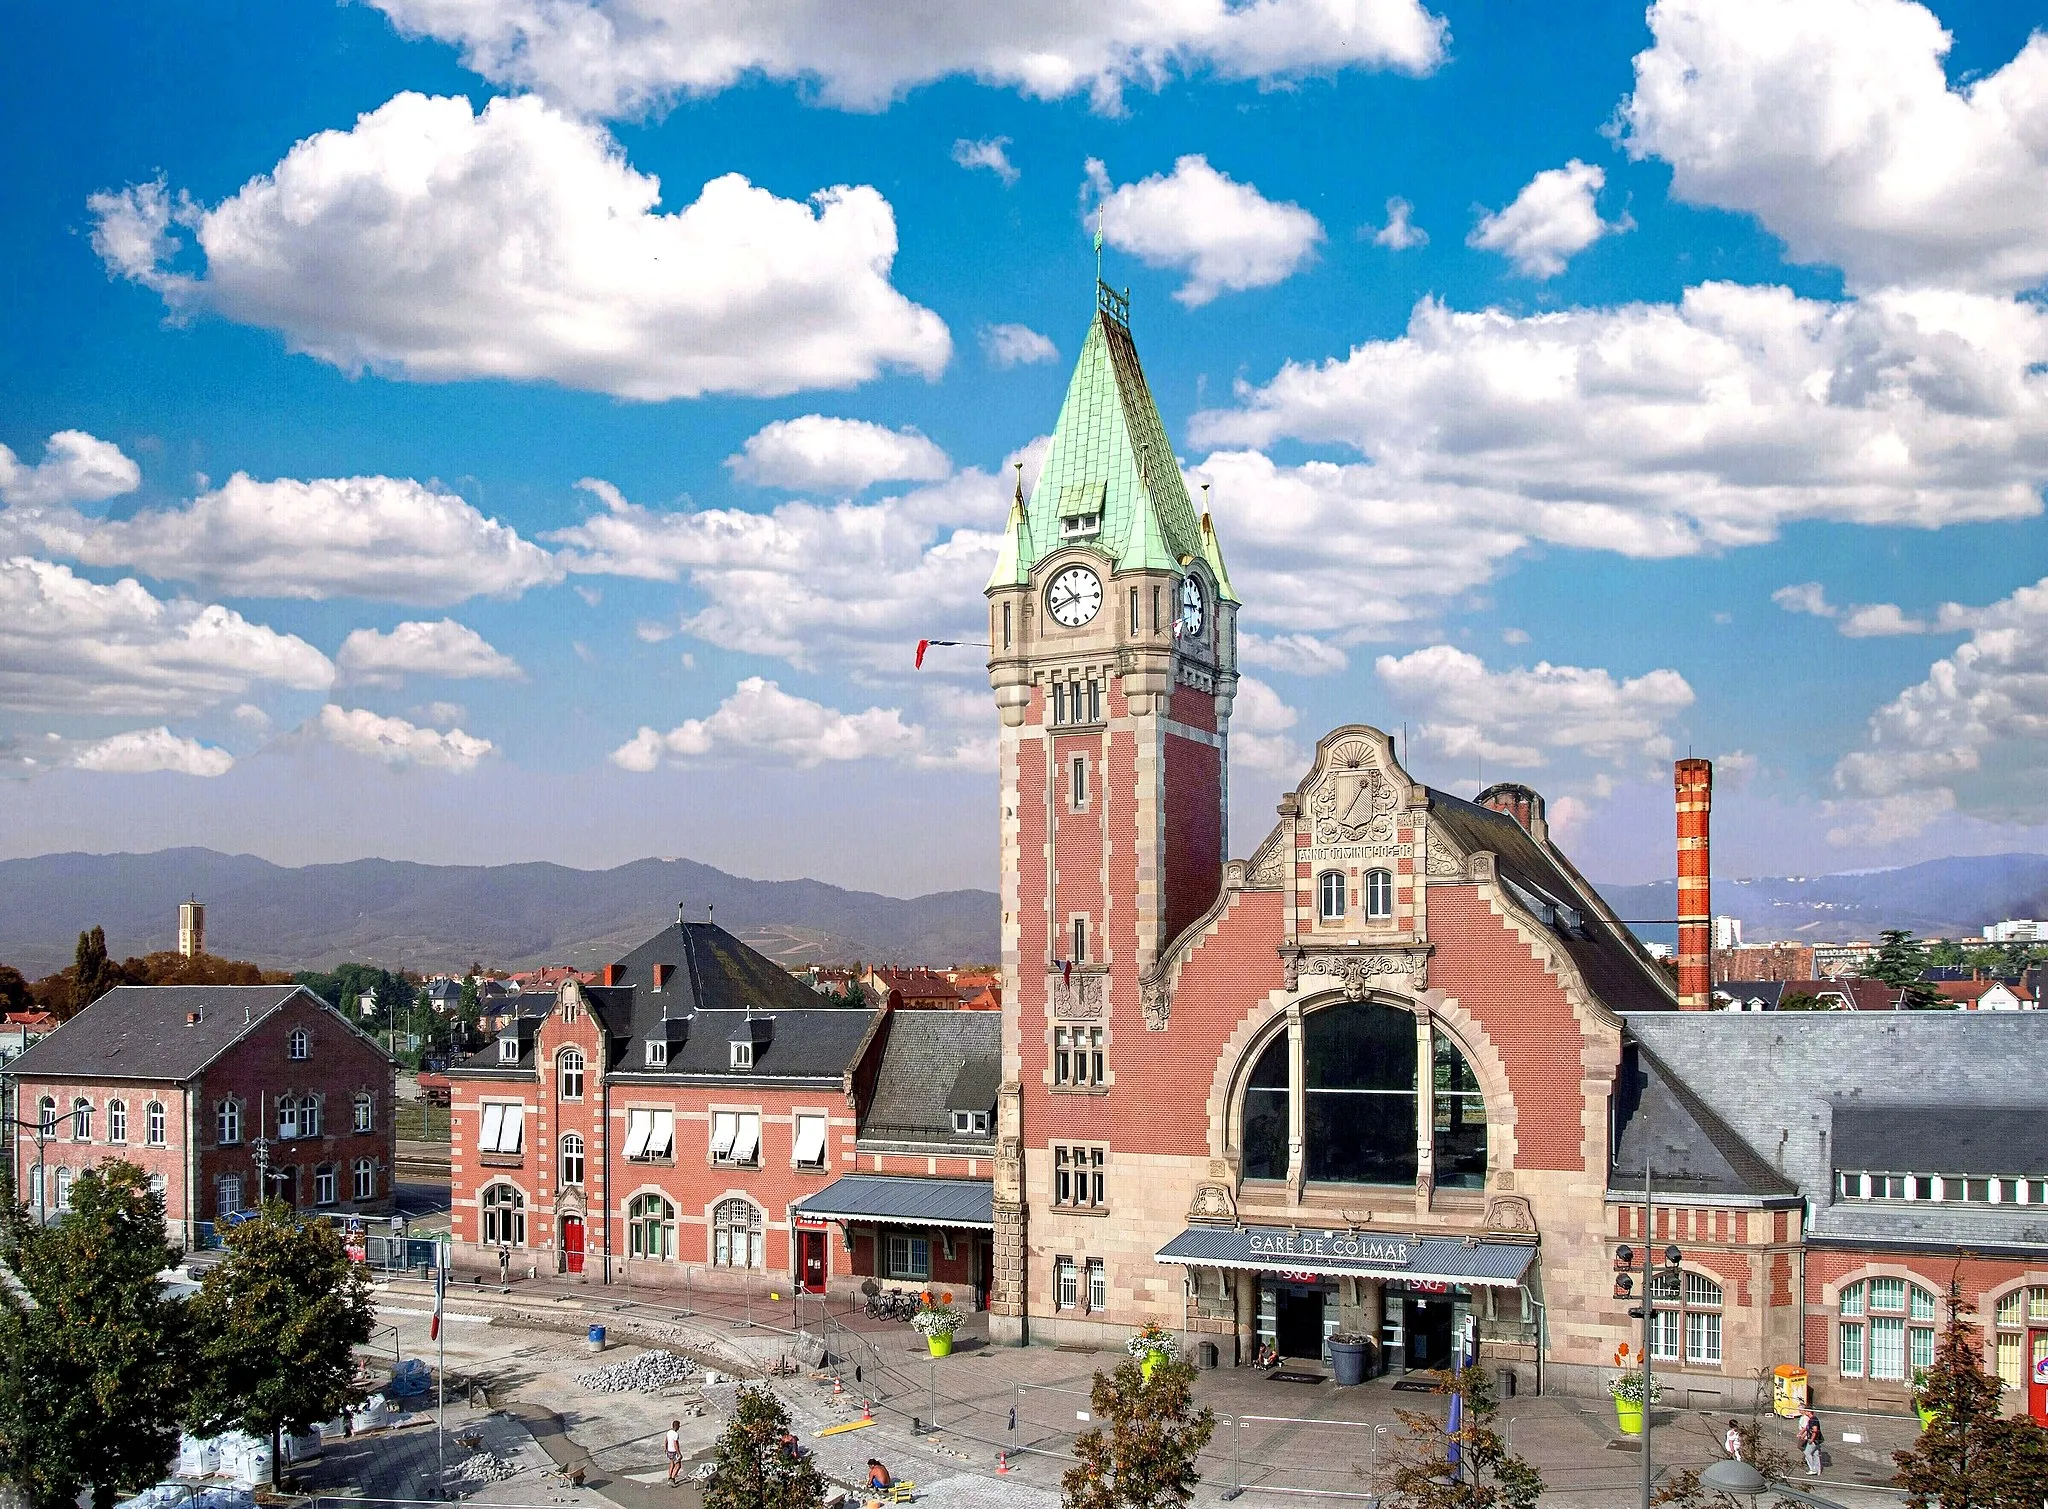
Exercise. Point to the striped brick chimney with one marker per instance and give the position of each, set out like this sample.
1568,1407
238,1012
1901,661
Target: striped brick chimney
1694,780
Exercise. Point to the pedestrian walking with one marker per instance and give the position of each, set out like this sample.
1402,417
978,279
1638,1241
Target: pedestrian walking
1733,1440
675,1451
1809,1441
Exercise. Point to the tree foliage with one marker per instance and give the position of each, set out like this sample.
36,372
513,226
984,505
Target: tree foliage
1900,961
1142,1454
758,1465
391,994
97,1374
1803,1000
1971,1456
1489,1476
276,1323
14,994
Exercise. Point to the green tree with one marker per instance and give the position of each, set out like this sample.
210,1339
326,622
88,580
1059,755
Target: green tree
1970,1456
758,1465
98,1374
1142,1454
1945,952
276,1323
14,994
1489,1476
93,974
1900,962
1803,1000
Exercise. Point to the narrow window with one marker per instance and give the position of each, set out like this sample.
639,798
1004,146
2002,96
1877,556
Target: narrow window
809,1148
1059,703
1095,702
81,1120
365,1179
1330,886
1098,1286
1155,610
117,1121
1080,783
1006,626
153,1123
301,1043
229,1123
324,1184
1134,610
1379,895
1065,1291
366,1112
1080,939
572,1158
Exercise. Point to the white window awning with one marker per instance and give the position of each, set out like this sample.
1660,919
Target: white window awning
725,1126
639,1124
661,1136
810,1139
748,1142
509,1132
487,1132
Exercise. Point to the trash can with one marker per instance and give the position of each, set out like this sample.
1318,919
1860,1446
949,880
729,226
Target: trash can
1348,1361
596,1341
1205,1354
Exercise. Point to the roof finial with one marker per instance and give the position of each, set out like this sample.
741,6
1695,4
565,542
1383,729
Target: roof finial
1020,483
1098,240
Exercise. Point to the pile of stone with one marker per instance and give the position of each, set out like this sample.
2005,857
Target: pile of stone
648,1373
485,1467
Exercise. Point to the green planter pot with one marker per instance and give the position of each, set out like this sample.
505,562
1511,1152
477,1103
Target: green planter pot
1927,1416
941,1346
1629,1417
1149,1364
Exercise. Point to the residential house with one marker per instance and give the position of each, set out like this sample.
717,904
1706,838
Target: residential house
917,989
1986,994
223,1094
1749,995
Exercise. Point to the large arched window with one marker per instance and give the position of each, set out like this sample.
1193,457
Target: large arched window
736,1234
153,1123
1330,887
1362,1100
504,1216
1886,1329
228,1123
651,1226
569,1065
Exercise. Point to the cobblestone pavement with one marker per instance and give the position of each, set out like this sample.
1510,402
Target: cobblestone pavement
943,1423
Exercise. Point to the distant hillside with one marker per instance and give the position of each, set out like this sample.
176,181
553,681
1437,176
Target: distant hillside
429,917
1940,898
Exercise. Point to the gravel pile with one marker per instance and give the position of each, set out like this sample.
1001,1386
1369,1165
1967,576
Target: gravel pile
485,1467
645,1374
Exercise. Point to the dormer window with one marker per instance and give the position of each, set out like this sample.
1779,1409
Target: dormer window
1080,526
508,1050
971,1123
657,1053
743,1055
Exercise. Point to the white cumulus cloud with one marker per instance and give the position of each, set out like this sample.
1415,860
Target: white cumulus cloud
68,645
377,537
397,742
1873,620
1302,654
1524,715
1261,725
1400,232
146,750
617,57
76,468
760,718
444,648
1551,221
1834,123
436,244
814,453
990,154
1016,346
1226,235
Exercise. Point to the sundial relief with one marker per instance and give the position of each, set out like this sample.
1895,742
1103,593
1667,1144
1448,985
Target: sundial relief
1355,810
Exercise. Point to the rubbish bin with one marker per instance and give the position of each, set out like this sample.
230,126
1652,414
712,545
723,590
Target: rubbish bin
596,1341
1348,1360
1205,1354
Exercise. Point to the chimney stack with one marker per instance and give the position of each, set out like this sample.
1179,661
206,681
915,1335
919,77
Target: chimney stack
679,914
1694,782
1519,802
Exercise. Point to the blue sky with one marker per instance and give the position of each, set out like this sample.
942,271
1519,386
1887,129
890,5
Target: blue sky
388,472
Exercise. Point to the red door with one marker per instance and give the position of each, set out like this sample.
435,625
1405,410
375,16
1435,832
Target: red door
811,1246
2037,1376
572,1244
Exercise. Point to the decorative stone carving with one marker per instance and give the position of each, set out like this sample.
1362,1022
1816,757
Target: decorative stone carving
1078,996
1009,1171
1510,1213
1444,862
1355,973
1213,1203
1155,1000
1269,865
1355,802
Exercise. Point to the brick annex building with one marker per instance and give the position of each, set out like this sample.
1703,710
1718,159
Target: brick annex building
1395,1073
214,1091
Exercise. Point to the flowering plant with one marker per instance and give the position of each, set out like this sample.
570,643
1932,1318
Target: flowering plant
1151,1337
1627,1385
936,1317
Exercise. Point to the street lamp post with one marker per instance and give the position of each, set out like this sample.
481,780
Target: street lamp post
44,1130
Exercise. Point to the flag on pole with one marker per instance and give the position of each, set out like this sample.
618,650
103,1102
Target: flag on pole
1066,971
440,1292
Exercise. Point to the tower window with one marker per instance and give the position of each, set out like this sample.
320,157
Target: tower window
1080,940
1379,895
1134,610
1006,626
1094,701
1330,886
1059,703
1078,786
1155,610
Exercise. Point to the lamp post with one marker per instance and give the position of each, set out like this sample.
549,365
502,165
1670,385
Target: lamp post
44,1130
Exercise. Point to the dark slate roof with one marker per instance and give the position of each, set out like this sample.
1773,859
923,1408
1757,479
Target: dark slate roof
1783,1082
1429,1259
1770,992
141,1031
1692,1150
1612,961
907,1200
814,1043
1915,1137
933,1064
714,971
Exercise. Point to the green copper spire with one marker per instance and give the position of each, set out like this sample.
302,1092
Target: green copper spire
1110,481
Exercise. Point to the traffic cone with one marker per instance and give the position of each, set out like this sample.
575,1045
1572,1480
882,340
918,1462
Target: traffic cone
838,1387
867,1409
1002,1461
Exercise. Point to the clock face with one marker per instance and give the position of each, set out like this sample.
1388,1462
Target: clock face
1190,607
1075,596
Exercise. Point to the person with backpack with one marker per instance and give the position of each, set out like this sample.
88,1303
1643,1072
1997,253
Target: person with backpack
1809,1441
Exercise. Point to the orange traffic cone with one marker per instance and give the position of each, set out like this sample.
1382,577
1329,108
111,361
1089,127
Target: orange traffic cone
1002,1461
838,1387
867,1409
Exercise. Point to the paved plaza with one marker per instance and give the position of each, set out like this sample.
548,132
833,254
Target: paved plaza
953,1425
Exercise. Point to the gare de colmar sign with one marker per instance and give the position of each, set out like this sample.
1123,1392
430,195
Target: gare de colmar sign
1348,1245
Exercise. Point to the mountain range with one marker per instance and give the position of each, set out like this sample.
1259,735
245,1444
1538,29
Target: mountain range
433,917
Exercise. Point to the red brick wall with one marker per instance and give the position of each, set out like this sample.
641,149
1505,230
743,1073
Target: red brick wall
1194,824
65,1152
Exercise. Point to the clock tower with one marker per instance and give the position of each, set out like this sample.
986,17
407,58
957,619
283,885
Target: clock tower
1113,657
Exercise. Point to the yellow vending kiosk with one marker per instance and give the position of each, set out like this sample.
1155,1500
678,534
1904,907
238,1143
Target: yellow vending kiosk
1788,1391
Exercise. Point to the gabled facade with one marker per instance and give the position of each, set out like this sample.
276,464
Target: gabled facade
222,1094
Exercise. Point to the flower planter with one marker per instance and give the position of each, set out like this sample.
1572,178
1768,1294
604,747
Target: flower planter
1629,1416
1927,1415
1347,1362
940,1345
1149,1364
